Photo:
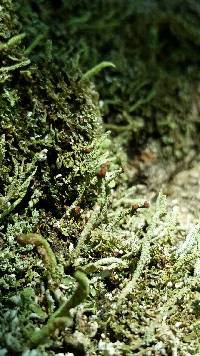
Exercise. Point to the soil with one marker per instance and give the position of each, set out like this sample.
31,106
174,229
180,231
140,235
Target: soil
179,181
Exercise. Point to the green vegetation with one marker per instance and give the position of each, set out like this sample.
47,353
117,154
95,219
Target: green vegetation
70,71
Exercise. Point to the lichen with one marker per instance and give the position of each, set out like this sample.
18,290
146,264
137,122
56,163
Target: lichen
67,197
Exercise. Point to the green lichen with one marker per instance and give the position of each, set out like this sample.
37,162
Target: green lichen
46,252
12,42
67,195
61,317
91,72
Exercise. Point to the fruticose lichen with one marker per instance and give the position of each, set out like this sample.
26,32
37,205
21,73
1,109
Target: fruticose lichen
70,70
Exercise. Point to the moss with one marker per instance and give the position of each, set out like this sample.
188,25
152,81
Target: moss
64,178
154,47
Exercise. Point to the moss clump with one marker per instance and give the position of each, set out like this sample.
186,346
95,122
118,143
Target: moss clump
52,145
60,178
154,47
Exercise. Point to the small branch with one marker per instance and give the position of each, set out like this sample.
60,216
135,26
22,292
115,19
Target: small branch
95,70
44,250
86,232
62,318
12,42
77,298
34,44
15,66
107,263
145,256
141,102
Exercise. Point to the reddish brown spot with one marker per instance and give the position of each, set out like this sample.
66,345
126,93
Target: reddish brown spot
135,206
77,210
103,170
24,257
87,149
146,204
147,156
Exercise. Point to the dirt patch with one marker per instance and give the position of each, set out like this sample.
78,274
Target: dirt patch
179,181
